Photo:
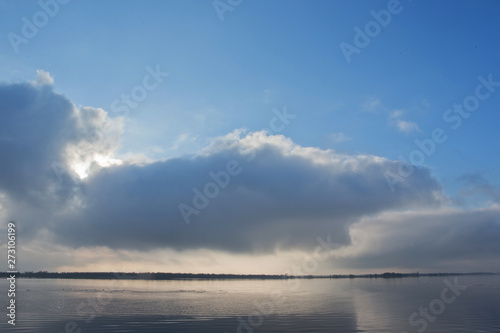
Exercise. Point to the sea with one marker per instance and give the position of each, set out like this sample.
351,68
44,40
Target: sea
419,304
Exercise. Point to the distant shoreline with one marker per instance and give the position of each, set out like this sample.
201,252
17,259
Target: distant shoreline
203,276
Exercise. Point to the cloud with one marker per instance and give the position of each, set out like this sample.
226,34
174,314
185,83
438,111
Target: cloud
338,137
97,137
283,198
182,139
373,105
403,125
394,117
407,126
476,184
36,124
284,194
43,139
267,96
43,78
441,239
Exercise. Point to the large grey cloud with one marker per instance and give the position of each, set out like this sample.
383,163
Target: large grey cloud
41,134
286,196
440,239
35,126
283,197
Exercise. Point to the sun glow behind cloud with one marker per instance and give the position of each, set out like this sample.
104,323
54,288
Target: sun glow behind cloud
96,141
82,169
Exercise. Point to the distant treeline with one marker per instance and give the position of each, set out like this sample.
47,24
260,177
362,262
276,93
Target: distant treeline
191,276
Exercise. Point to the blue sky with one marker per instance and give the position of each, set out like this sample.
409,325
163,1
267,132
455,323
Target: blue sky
268,54
264,55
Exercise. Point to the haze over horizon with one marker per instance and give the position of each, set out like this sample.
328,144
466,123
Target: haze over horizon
174,136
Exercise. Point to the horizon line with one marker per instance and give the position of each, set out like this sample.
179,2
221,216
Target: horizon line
219,276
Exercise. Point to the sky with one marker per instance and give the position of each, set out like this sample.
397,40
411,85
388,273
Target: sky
234,136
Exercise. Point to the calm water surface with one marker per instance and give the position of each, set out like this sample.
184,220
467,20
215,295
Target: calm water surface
321,305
